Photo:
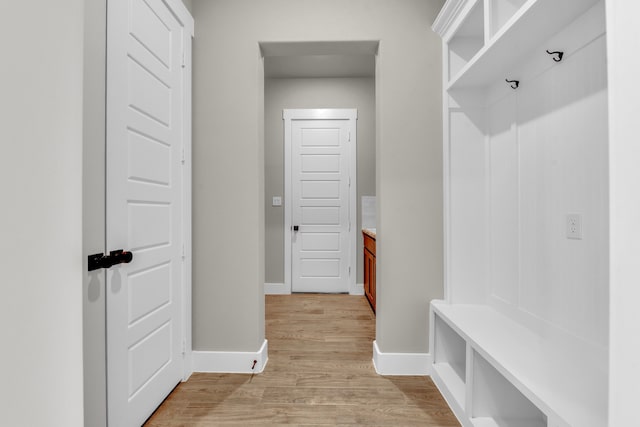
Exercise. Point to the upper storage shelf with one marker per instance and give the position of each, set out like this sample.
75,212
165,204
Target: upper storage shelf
508,32
468,39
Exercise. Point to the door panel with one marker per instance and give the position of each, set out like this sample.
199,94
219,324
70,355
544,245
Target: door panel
320,205
148,356
144,207
319,190
320,215
149,290
149,160
321,163
320,241
320,136
320,268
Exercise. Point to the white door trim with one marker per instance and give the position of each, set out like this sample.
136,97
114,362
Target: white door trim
178,8
319,114
183,16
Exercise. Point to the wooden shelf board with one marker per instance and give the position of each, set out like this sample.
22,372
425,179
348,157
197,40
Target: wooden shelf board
556,383
534,23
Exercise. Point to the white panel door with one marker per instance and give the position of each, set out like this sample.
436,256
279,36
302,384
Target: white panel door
320,163
144,210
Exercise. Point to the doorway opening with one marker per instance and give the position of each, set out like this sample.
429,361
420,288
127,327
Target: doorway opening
316,75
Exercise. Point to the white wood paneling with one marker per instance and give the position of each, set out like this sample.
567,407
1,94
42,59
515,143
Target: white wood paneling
504,187
468,267
563,169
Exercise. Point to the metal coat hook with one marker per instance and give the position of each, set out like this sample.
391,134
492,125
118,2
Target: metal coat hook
513,83
558,56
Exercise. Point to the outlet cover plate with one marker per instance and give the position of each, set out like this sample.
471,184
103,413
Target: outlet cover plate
574,226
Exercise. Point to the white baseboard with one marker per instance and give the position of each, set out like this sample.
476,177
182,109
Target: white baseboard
358,289
276,289
231,362
401,363
282,289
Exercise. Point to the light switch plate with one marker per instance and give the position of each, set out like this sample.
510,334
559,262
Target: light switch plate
574,226
276,201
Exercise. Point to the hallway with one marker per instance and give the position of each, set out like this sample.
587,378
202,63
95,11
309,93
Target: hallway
319,372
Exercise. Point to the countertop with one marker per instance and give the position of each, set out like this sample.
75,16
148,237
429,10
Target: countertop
371,232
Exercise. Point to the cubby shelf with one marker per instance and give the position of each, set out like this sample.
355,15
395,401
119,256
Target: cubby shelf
532,24
468,40
559,384
454,383
501,422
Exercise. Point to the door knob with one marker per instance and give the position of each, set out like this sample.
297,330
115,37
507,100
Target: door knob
296,227
118,256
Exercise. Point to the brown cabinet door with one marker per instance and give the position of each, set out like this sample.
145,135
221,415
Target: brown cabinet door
367,273
370,270
370,278
372,285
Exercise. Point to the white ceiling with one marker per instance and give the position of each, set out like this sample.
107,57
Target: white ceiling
319,59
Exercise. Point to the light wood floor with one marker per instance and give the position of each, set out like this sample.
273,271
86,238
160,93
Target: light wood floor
319,373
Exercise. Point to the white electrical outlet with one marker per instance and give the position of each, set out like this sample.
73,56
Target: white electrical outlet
574,226
276,201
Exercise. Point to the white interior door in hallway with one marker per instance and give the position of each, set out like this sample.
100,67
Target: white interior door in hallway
322,147
145,189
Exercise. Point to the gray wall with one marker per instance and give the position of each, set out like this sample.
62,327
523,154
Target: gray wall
229,160
41,215
313,93
228,180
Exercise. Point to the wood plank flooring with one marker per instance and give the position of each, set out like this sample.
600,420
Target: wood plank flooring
319,373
